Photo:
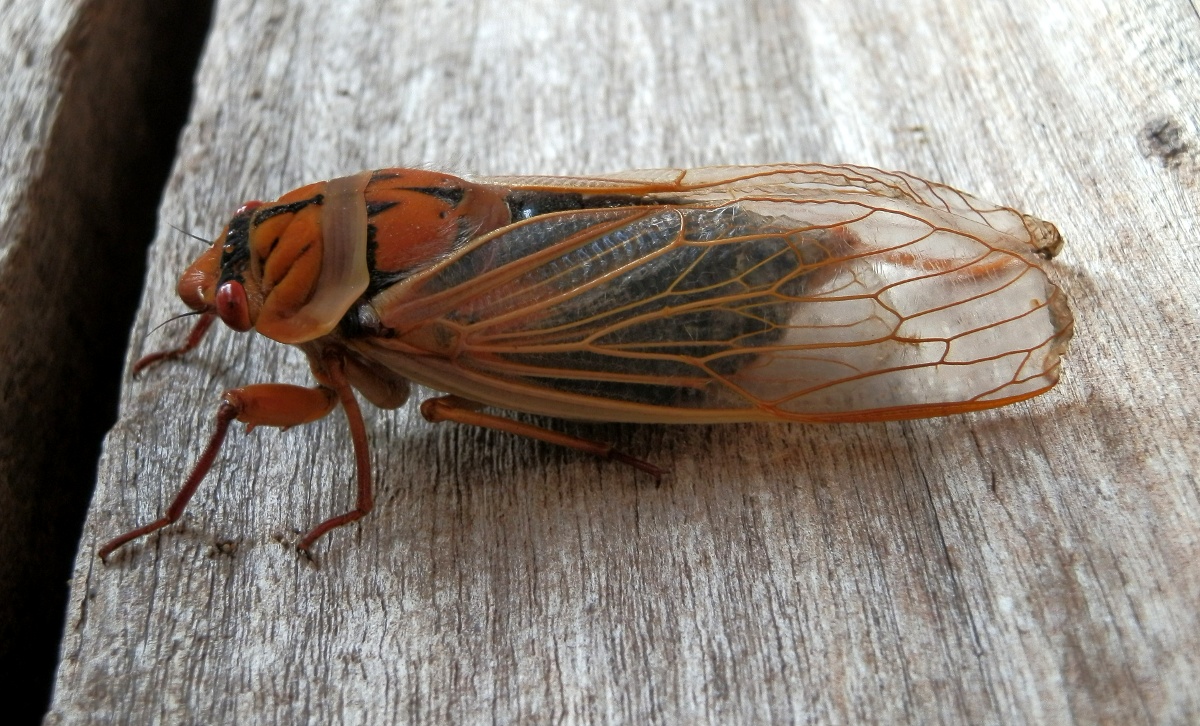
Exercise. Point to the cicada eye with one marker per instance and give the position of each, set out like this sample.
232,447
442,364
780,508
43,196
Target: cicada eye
248,207
232,306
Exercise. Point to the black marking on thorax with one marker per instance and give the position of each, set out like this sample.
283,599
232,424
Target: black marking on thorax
267,211
361,320
236,250
379,207
450,195
235,253
524,204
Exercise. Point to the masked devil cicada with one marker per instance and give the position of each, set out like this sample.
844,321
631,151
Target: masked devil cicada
768,293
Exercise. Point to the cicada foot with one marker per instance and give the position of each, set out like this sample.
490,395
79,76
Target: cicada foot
225,416
267,404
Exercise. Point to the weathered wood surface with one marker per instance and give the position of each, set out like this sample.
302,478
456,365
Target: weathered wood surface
82,108
1031,564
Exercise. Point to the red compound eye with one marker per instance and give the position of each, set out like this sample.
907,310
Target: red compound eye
232,306
248,207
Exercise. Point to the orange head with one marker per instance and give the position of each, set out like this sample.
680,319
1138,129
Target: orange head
265,264
291,269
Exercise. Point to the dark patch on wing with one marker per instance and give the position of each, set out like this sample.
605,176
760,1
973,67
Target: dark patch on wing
698,310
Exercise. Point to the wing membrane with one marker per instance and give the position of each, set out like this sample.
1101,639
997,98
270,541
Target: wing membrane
741,293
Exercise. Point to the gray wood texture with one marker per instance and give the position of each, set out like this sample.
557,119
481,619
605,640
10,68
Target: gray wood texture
82,110
1036,563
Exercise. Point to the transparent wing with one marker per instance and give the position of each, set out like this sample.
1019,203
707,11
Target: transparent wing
737,293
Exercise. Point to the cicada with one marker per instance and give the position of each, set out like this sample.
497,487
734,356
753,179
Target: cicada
787,292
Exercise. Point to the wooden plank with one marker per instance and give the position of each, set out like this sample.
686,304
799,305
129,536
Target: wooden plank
1031,564
86,105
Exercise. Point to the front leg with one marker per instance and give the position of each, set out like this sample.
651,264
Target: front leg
198,332
264,404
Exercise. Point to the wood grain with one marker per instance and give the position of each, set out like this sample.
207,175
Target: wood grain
1031,564
86,102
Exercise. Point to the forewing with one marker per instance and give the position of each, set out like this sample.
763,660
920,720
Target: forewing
741,293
